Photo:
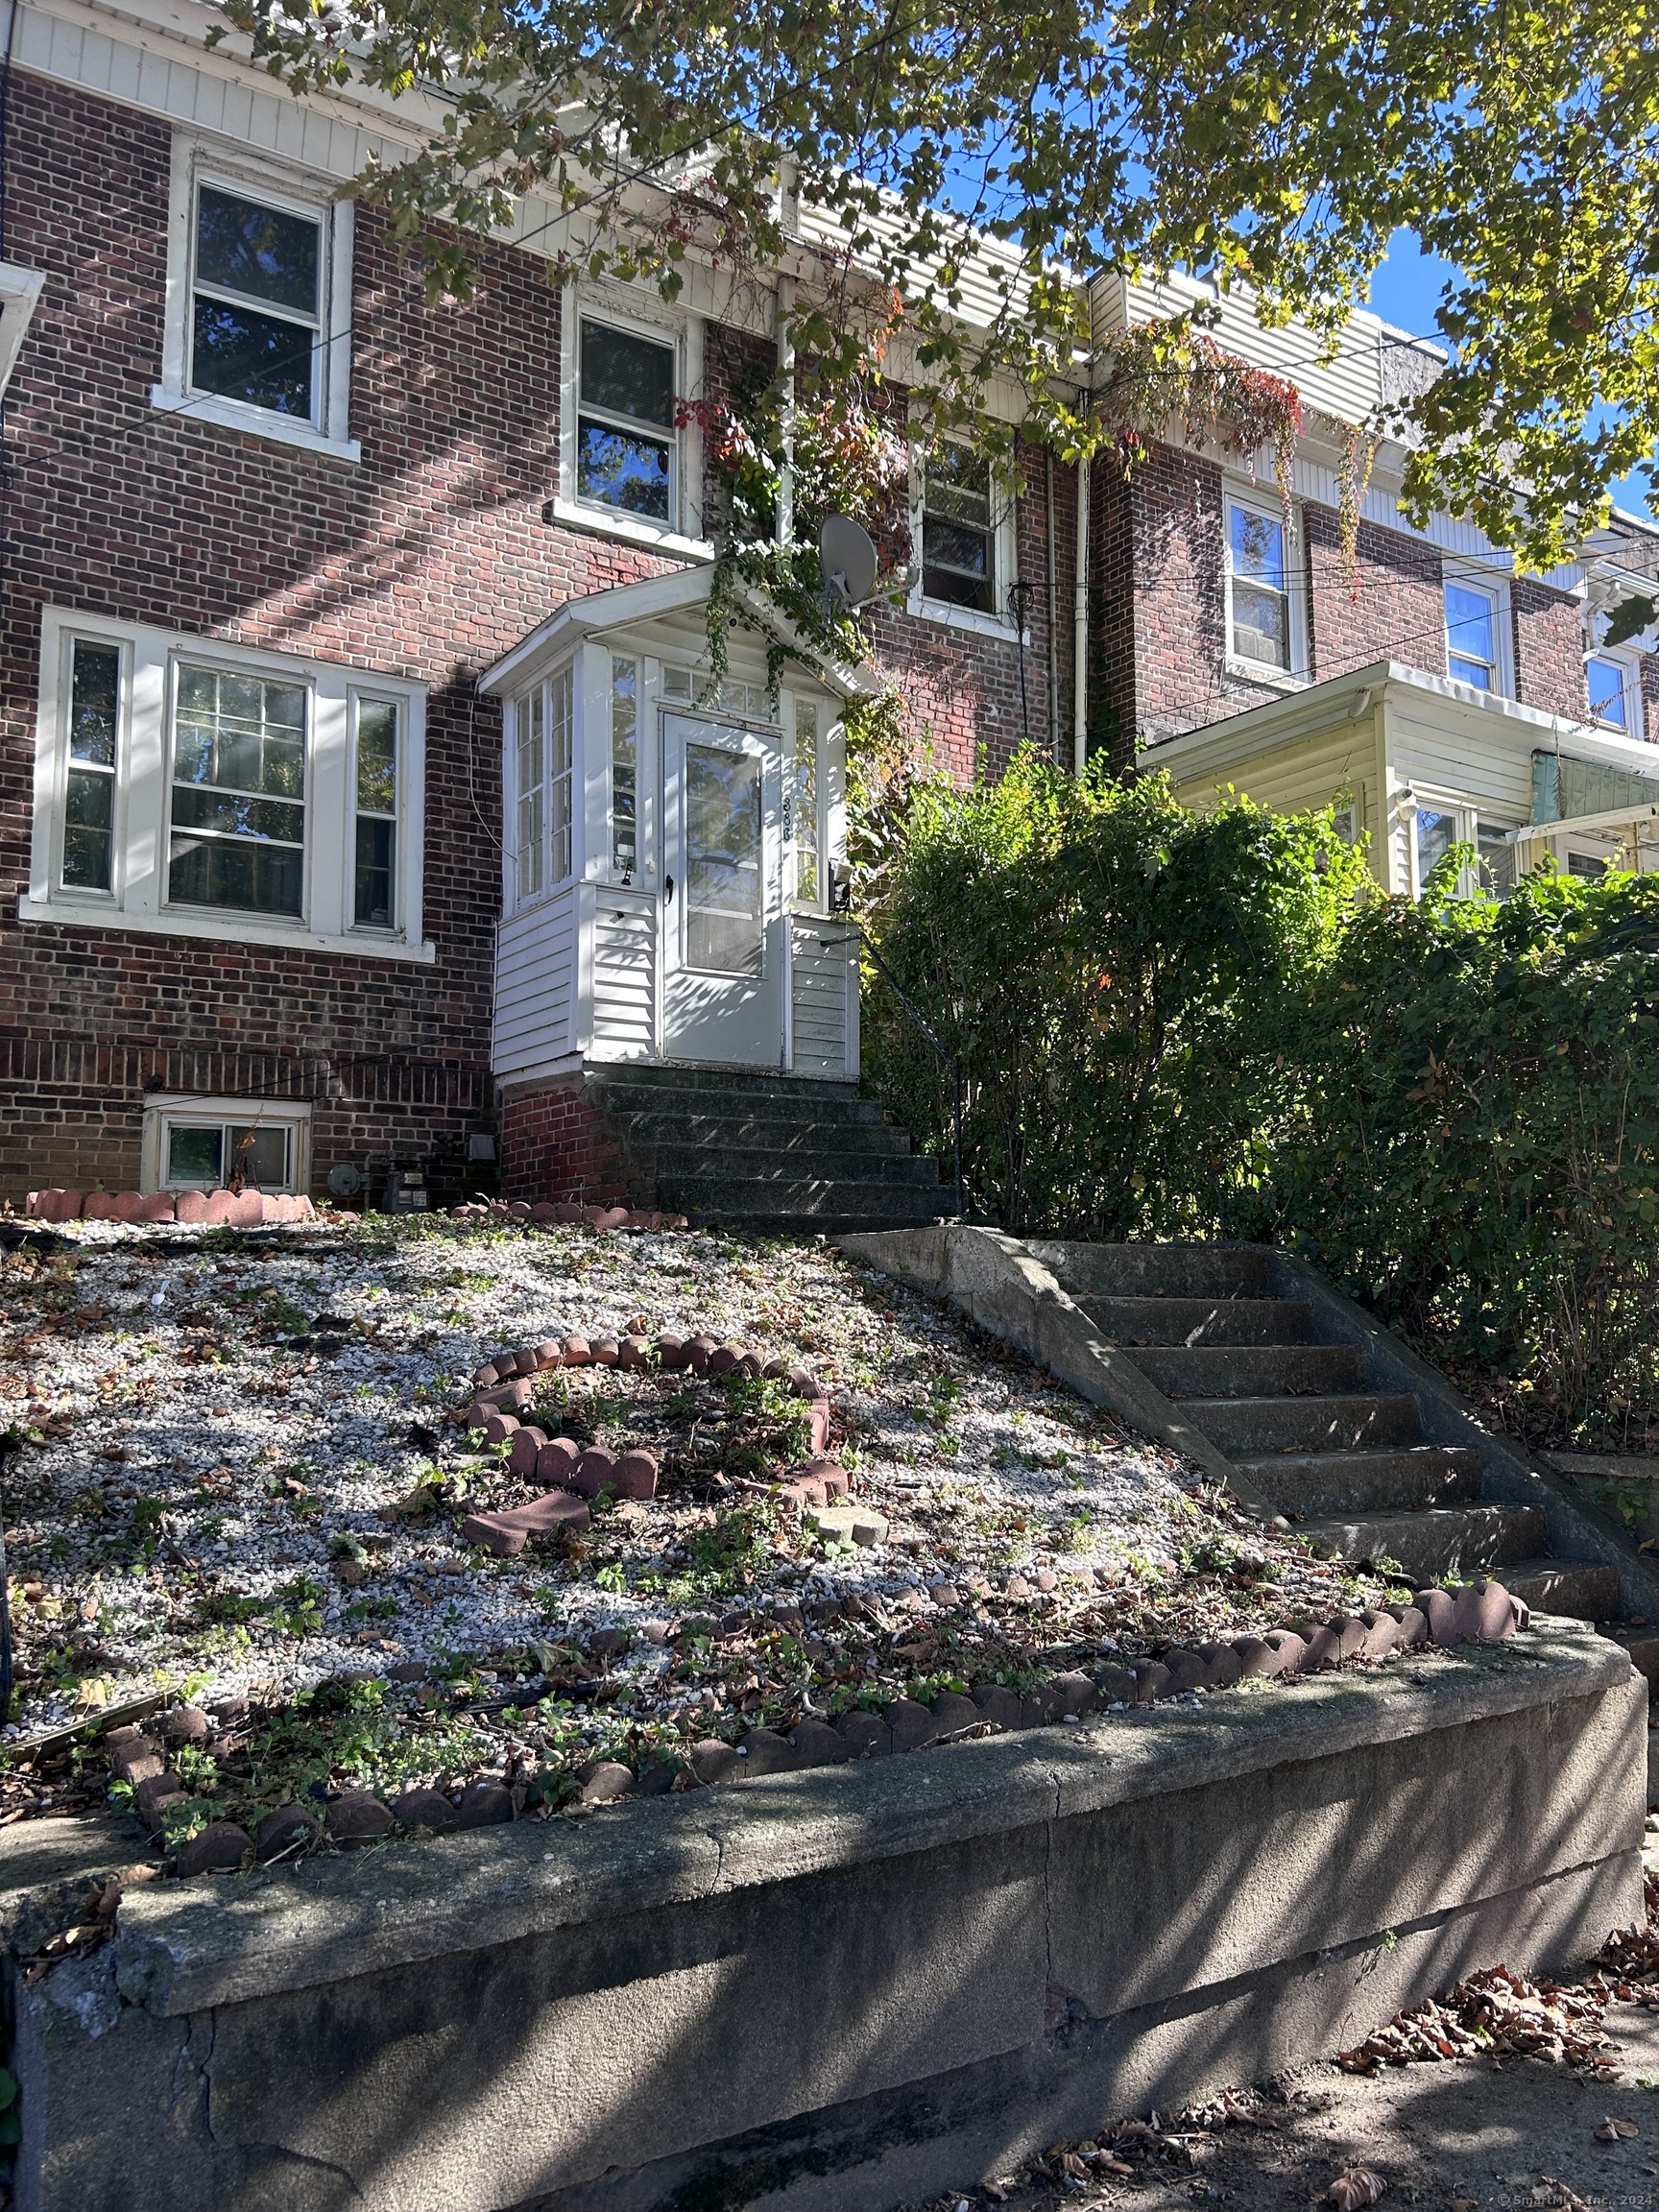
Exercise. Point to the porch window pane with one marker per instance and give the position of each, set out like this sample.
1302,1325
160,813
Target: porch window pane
625,765
238,827
806,804
1497,859
560,719
724,886
1436,835
532,722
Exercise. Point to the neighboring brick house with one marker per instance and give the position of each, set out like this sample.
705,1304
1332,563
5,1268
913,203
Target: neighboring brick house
358,748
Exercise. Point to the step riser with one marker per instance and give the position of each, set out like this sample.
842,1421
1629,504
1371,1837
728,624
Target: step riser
626,1098
1577,1588
1427,1546
874,1205
873,1139
1314,1484
1133,1322
1163,1271
1248,1428
684,1165
1252,1371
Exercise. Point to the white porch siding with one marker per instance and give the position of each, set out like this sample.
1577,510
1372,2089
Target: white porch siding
823,999
623,1022
535,986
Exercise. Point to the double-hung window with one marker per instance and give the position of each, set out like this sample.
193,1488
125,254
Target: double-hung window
259,299
958,530
625,437
1472,634
1614,685
195,788
542,731
1261,608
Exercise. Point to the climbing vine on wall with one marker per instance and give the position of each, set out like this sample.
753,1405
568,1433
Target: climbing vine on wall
848,453
1359,456
1170,370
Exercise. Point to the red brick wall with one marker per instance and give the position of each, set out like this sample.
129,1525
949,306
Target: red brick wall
1549,649
1397,613
427,561
553,1146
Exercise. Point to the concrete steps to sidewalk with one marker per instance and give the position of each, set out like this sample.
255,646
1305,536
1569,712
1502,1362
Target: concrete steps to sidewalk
1318,1429
771,1154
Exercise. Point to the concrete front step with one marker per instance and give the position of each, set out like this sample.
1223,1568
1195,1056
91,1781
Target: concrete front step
1159,1270
679,1166
1251,1370
801,1204
1398,1479
1135,1321
770,1133
1581,1587
1246,1428
1641,1644
1444,1540
747,1096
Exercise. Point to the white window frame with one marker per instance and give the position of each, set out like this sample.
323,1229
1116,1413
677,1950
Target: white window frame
1468,816
1004,555
1629,665
138,899
549,887
684,531
196,162
1496,588
1252,500
163,1109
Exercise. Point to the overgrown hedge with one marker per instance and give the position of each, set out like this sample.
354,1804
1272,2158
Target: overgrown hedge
1182,1026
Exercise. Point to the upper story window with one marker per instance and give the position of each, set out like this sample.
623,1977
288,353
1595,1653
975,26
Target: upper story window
625,442
199,790
256,313
258,303
1472,653
958,531
544,727
1261,612
1614,684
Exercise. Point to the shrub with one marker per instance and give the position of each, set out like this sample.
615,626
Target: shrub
1180,1026
1118,978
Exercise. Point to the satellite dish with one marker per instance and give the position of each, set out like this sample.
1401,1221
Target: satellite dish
345,1181
847,554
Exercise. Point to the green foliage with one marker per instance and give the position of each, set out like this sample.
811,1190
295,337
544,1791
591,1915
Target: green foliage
964,154
1117,978
1174,1026
1477,1152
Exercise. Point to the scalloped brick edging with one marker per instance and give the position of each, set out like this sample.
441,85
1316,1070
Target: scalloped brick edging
567,1213
215,1209
504,1390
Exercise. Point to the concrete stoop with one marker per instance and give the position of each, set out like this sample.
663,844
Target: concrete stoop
1249,1363
833,1991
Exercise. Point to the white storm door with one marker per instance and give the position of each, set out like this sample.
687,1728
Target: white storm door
723,963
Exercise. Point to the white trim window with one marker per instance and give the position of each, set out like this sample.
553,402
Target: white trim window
198,789
258,301
1264,601
1613,683
629,467
195,1143
1477,642
542,754
1437,824
962,522
804,824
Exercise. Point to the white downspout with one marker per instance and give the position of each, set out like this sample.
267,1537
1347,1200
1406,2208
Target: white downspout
1080,631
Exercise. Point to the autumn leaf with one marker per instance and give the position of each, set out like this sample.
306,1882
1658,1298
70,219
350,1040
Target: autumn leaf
1354,2188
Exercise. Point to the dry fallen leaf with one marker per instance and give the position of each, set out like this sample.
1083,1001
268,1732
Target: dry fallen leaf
1617,2130
1354,2188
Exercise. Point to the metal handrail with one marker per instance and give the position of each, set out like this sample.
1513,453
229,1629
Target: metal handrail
942,1051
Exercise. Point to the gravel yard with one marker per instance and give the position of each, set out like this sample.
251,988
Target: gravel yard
232,1484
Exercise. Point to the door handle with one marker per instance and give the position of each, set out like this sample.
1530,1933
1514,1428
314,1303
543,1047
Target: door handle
668,891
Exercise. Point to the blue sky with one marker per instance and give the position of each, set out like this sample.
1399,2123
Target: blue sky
1407,290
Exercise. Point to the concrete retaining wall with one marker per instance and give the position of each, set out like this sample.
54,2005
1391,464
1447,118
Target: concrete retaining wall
837,1989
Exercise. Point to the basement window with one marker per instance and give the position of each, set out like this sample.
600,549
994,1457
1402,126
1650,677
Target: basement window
205,1144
